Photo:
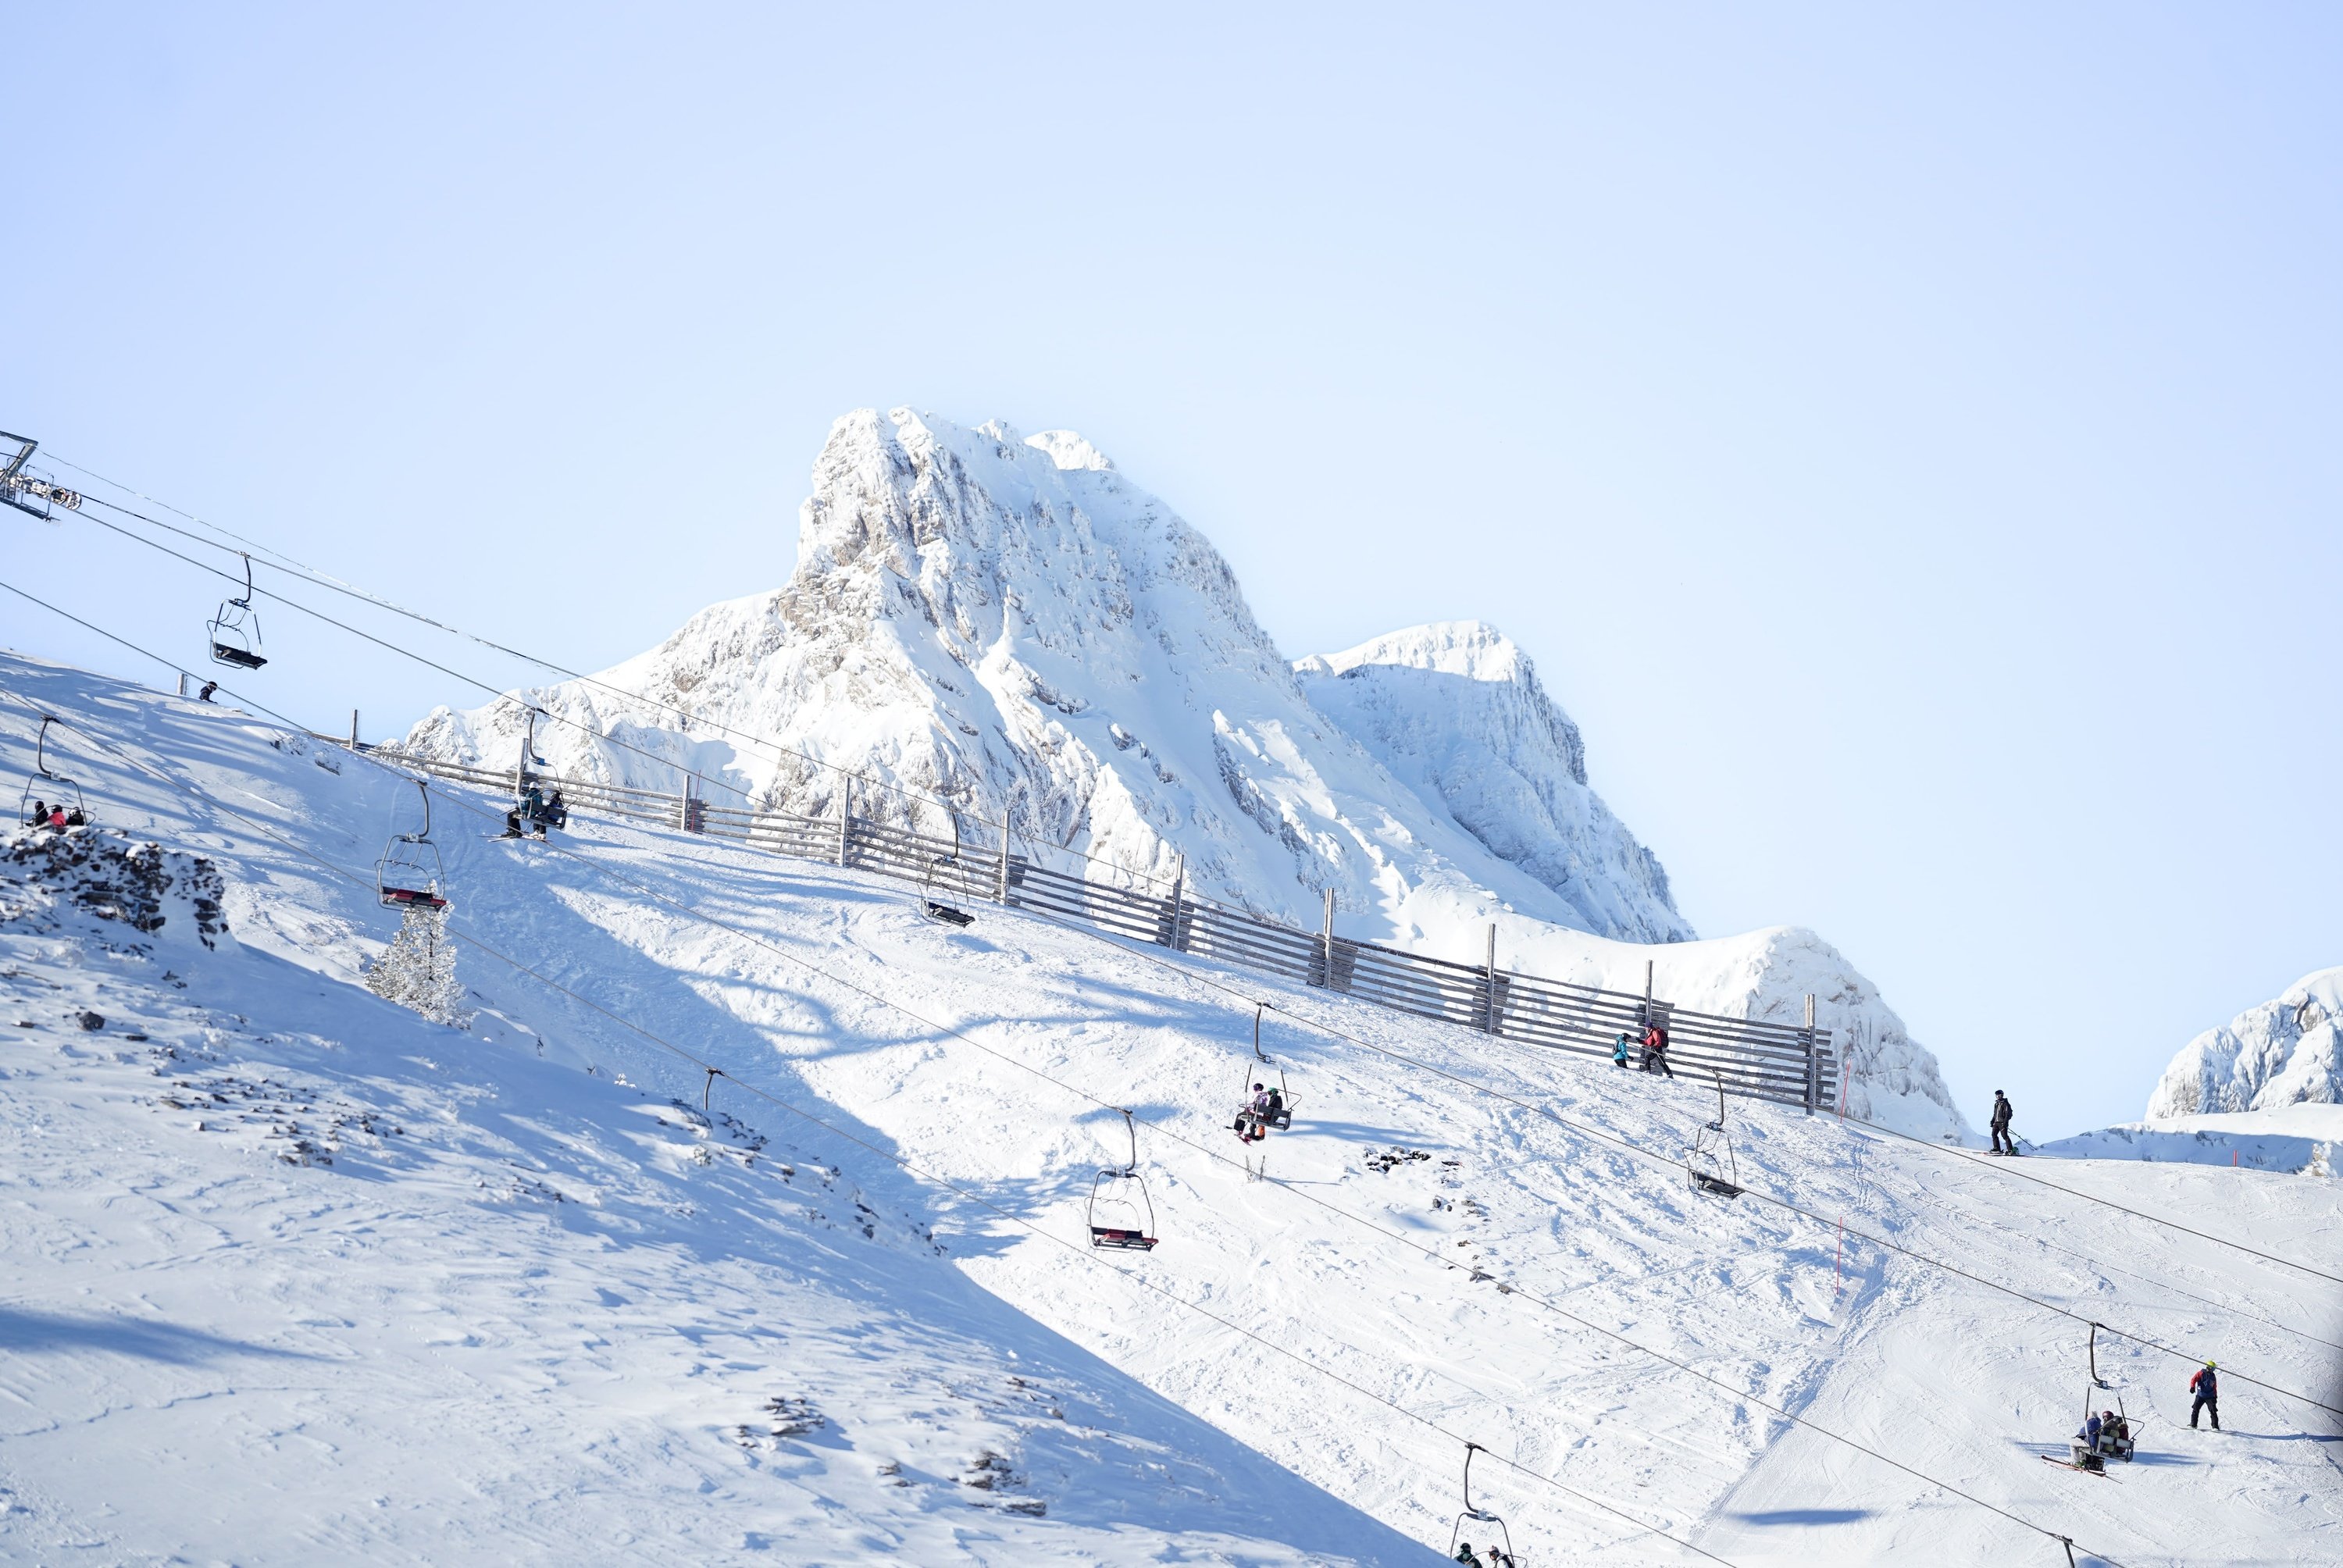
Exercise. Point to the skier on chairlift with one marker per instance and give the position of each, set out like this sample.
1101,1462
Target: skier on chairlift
1252,1125
1465,1553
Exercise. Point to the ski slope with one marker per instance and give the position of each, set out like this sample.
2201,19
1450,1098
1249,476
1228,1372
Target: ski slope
548,1374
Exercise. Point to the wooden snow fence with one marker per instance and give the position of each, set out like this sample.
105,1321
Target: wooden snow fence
1788,1063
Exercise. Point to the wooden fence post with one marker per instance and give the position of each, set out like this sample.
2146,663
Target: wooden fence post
1326,944
1647,993
1000,889
354,729
1489,973
845,816
1814,1062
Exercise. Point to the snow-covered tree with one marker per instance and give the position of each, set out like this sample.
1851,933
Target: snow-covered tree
418,969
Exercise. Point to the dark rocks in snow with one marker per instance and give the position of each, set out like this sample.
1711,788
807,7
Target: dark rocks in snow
91,1022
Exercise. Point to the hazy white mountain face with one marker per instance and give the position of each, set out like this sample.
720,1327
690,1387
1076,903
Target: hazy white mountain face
1009,625
2287,1051
1456,710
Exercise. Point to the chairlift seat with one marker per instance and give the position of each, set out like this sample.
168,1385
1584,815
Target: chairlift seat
242,657
1108,1236
396,898
947,913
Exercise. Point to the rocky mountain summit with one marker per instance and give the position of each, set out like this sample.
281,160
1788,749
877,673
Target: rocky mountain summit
984,627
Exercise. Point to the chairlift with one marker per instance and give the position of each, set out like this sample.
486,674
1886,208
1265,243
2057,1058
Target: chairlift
410,874
946,873
235,629
1121,1194
1711,1164
1479,1516
1281,1117
27,491
2115,1439
46,786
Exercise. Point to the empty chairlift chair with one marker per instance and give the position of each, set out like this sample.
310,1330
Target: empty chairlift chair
945,879
49,789
1711,1164
410,873
1121,1214
235,629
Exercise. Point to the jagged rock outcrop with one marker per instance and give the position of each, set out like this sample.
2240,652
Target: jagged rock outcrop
1456,710
2286,1051
1009,625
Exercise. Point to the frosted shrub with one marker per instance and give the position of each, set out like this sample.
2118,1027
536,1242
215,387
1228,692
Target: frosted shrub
418,969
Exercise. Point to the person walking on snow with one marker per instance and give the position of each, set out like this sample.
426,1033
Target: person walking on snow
1619,1050
2206,1387
1655,1050
2003,1143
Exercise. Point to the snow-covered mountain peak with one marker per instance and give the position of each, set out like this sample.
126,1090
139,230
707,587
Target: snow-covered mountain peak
2286,1051
1471,649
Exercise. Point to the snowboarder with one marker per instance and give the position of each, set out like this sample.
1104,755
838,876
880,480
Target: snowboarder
1619,1050
1655,1050
2003,1143
206,694
2206,1387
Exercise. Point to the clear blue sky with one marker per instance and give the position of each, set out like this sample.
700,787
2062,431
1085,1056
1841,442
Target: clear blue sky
1907,438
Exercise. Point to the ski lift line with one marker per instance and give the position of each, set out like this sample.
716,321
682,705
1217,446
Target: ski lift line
1158,1127
326,580
1326,1029
909,1166
1585,1130
1653,1157
1432,1252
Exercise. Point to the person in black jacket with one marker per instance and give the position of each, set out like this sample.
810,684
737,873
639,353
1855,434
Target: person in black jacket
2003,1143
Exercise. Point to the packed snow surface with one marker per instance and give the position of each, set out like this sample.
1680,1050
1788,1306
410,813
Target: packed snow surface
1013,628
298,1275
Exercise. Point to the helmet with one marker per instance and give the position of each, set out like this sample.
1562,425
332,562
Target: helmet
1256,1085
2209,1366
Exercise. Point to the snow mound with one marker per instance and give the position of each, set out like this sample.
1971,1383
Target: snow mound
2287,1138
2286,1051
1455,710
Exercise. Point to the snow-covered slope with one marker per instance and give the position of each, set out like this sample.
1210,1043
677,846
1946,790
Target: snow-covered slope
2286,1051
467,1315
1010,624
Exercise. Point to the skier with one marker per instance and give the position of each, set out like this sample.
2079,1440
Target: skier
1501,1558
2206,1387
1252,1125
1619,1050
206,694
1464,1554
2003,1143
58,818
2090,1435
1655,1050
40,815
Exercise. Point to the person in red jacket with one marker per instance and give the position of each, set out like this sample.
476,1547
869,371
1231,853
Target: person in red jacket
2207,1390
1655,1050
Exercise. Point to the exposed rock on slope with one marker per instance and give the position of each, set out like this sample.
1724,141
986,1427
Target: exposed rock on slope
2287,1051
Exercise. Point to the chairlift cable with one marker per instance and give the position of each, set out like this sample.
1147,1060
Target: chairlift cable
1297,1357
1626,1145
1637,1149
881,784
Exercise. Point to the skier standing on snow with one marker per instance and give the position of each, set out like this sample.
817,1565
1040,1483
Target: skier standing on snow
206,694
1619,1050
2003,1143
2207,1390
